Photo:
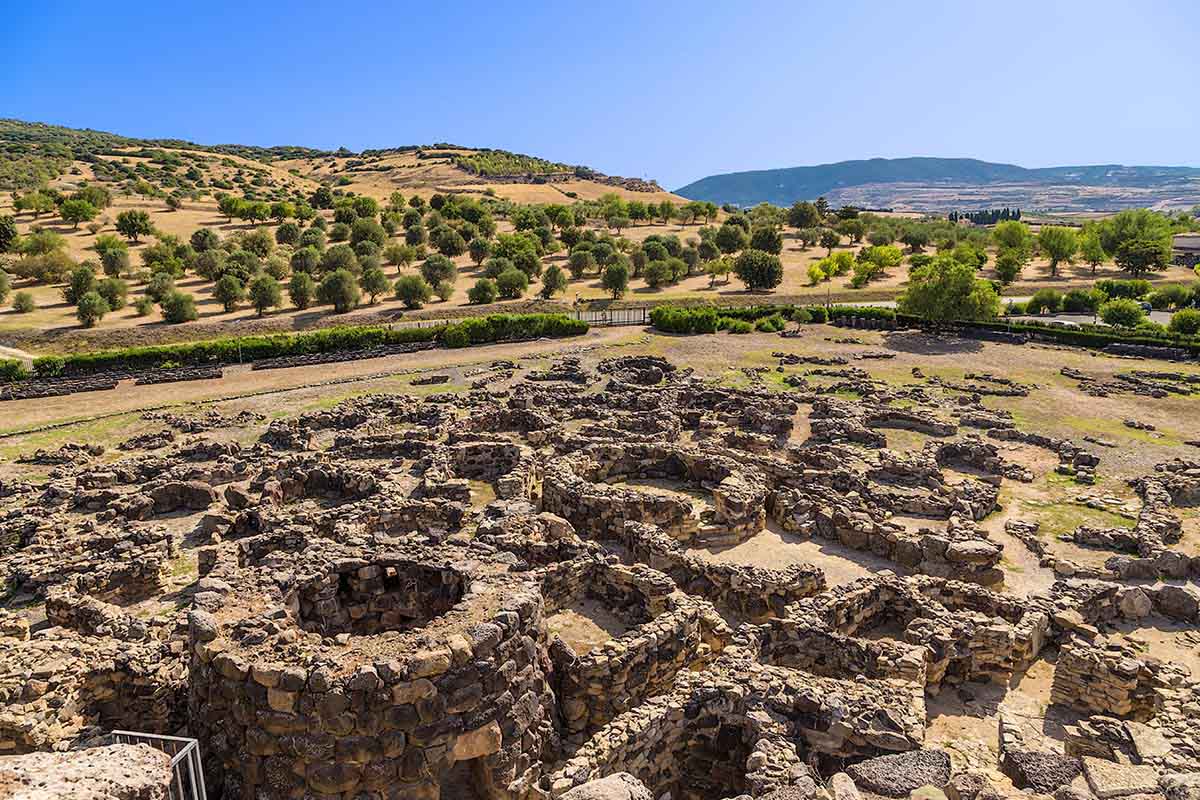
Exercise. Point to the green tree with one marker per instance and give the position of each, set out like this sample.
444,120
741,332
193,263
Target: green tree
159,286
1091,251
1015,236
375,283
229,291
829,240
82,281
264,293
730,238
287,233
1122,313
1142,255
854,228
75,212
946,290
413,290
5,285
554,280
767,239
134,224
580,263
616,279
339,289
90,309
301,290
1059,243
1008,265
479,250
512,283
760,271
915,237
367,230
438,268
8,234
1135,224
203,239
281,210
656,274
230,206
803,214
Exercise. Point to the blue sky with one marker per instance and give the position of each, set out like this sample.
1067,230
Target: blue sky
673,91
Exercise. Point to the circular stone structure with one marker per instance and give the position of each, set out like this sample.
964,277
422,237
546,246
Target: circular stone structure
388,675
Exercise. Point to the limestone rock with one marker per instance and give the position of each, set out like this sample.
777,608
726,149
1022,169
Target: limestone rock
619,786
116,772
1109,779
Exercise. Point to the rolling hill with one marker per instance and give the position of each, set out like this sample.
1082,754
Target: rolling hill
940,184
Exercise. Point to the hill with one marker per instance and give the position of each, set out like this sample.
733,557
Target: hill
940,184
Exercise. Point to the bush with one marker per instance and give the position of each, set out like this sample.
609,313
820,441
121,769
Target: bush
736,325
1122,313
484,291
161,284
413,290
511,327
512,284
1186,322
23,302
114,291
287,233
143,306
772,324
1014,308
178,307
90,308
5,285
671,319
12,370
1044,301
1079,301
444,290
554,280
1131,289
339,289
82,281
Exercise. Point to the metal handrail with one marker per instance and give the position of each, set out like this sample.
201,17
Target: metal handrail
187,773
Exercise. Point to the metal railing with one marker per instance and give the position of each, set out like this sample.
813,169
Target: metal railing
613,316
187,774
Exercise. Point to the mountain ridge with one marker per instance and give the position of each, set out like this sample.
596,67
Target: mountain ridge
786,185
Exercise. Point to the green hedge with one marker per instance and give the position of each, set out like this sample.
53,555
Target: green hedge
509,327
12,370
1095,336
232,350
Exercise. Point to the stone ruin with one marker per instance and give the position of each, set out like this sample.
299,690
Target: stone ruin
397,598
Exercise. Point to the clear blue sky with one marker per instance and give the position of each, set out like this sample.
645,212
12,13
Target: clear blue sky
673,91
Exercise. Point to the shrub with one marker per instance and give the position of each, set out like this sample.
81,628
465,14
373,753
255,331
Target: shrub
287,233
1131,289
178,307
340,256
1080,301
772,324
484,291
656,274
5,285
301,290
1122,313
339,232
1185,322
1014,308
684,320
413,290
12,370
1044,301
444,290
143,306
160,285
114,291
339,289
23,302
737,325
90,308
616,278
512,284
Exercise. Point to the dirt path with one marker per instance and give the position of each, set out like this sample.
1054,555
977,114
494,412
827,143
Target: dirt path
240,381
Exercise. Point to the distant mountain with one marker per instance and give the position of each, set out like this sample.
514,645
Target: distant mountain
938,184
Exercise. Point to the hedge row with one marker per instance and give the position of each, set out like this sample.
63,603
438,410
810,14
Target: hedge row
233,350
707,319
12,370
